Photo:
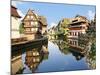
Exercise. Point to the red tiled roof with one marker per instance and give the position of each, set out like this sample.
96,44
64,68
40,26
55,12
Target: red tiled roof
14,12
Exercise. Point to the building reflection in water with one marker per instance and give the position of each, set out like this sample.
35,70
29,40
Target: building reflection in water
78,56
67,48
35,56
17,64
33,59
77,49
77,45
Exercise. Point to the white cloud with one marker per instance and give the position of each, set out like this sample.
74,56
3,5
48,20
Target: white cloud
91,14
14,3
52,24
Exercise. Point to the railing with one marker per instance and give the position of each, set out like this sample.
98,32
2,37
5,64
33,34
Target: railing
31,26
15,40
30,32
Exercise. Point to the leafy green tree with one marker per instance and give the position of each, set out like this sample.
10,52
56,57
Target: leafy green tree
63,26
21,28
91,31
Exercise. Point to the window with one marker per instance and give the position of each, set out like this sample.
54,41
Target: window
70,42
75,33
28,16
27,29
34,23
34,29
27,23
70,33
79,33
31,17
83,27
75,42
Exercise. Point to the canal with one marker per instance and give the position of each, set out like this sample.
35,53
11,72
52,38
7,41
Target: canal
59,58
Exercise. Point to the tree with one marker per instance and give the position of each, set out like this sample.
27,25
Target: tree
21,28
91,31
63,26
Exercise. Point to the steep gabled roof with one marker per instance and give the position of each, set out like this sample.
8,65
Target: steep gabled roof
14,12
43,20
30,12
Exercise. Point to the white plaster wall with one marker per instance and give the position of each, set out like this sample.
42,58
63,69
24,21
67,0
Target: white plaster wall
15,23
44,29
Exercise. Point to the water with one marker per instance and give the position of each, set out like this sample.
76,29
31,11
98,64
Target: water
58,61
59,58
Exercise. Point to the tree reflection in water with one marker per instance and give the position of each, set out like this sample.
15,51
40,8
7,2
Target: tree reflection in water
35,55
67,47
91,56
64,47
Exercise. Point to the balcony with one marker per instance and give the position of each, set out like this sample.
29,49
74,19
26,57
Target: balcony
30,32
30,26
27,26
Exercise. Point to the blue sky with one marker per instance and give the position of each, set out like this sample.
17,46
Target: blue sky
55,12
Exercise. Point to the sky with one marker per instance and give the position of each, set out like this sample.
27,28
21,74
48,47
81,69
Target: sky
54,12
